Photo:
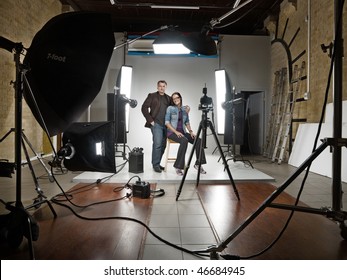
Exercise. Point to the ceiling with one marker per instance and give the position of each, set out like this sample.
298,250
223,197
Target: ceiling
134,16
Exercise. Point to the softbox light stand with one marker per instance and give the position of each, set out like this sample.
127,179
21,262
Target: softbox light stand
21,223
67,60
38,157
336,143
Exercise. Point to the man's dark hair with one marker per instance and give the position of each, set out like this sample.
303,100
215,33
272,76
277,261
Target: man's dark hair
162,81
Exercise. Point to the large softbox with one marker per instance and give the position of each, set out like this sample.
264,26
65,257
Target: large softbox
67,62
91,146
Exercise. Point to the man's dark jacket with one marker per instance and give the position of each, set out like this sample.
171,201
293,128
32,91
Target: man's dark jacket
152,103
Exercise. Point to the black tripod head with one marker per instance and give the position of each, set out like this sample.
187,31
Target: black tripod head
206,102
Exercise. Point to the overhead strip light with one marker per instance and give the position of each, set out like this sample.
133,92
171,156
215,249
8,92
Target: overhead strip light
175,7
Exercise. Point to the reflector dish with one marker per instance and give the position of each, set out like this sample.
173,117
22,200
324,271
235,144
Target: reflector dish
67,62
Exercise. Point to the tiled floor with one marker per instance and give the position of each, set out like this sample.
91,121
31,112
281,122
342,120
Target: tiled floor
181,222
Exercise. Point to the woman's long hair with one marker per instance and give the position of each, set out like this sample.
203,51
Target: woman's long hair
171,98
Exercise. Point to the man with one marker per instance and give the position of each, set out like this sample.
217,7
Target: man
154,109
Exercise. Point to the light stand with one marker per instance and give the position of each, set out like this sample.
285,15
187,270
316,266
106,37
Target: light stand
233,102
60,50
205,106
24,224
336,143
38,157
41,198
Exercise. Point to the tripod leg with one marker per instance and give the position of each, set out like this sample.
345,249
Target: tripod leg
202,146
41,197
273,196
37,187
30,240
224,160
188,163
51,179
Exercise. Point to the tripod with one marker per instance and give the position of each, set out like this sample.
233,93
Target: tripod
205,122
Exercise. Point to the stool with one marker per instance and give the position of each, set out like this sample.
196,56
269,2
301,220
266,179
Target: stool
168,158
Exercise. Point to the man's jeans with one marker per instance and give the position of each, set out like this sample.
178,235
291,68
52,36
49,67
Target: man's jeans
159,143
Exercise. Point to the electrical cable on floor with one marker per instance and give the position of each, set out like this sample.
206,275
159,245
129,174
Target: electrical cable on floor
135,221
68,199
68,196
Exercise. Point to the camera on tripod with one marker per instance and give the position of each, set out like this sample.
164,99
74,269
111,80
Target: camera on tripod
206,103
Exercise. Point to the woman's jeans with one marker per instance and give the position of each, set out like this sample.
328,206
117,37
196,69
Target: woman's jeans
181,153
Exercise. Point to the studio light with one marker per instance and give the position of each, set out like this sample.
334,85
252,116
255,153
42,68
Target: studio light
200,43
221,91
125,80
170,42
89,146
61,74
67,62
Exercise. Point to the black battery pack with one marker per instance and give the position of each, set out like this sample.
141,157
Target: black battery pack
141,189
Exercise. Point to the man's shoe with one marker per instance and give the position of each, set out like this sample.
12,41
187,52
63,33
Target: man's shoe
162,167
157,169
202,171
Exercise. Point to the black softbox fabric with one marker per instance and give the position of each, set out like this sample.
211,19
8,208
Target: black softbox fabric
82,137
236,118
67,62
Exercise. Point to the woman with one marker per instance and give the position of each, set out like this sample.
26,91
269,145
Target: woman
177,122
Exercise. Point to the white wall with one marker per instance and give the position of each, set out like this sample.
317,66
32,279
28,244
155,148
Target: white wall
306,135
247,59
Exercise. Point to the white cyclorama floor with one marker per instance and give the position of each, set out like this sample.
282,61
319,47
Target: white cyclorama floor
216,173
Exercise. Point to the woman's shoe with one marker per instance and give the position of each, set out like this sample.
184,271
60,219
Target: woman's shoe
179,172
202,171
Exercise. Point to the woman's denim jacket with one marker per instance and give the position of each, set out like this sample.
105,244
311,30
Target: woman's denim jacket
172,116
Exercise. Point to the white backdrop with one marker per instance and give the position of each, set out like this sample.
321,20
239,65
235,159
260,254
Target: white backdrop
246,59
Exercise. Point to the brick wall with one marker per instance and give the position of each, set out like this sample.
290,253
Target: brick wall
19,22
312,31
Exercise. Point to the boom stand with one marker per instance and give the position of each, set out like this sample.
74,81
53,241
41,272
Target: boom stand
205,122
336,212
25,224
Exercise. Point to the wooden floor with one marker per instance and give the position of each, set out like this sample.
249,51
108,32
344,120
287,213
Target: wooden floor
308,236
73,238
